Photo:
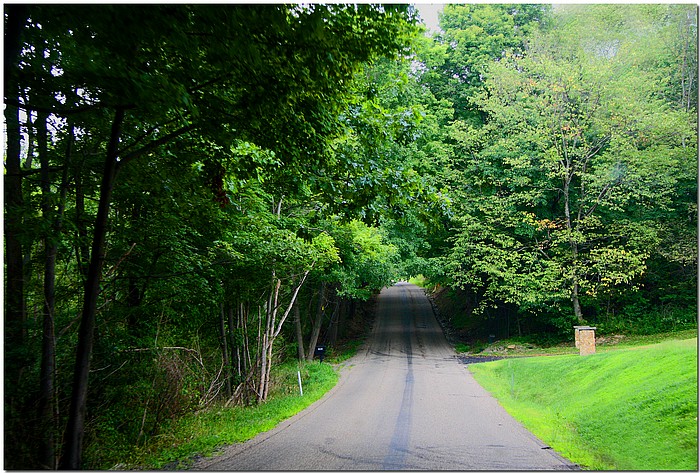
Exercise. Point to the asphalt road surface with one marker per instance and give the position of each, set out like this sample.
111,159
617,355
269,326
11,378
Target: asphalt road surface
404,402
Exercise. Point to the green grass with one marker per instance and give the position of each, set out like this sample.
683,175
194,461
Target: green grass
631,408
201,433
344,351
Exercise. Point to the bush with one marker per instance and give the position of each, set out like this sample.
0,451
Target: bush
642,319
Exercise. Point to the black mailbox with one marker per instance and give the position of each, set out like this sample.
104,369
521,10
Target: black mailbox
320,351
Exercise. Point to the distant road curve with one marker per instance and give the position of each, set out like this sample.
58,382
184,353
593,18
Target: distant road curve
404,402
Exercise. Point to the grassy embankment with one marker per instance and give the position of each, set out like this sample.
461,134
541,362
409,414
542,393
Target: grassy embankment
201,433
628,407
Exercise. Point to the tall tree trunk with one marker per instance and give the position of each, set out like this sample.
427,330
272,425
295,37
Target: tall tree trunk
243,326
274,327
82,250
689,65
224,350
73,442
235,346
47,396
299,333
270,316
262,353
260,393
335,321
316,328
572,242
576,302
15,303
269,338
82,222
135,290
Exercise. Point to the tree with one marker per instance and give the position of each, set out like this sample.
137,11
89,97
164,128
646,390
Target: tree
15,303
474,36
136,82
570,171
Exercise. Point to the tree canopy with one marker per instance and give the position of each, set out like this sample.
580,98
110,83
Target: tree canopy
194,193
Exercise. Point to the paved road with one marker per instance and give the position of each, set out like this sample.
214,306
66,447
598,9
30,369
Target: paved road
404,402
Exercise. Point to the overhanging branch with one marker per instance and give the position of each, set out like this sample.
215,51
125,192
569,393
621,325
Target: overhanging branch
154,144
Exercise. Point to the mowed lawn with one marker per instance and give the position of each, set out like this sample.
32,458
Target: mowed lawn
629,409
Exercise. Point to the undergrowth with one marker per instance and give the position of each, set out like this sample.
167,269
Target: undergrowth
202,433
531,346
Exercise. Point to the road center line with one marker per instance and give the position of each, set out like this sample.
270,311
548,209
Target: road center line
398,446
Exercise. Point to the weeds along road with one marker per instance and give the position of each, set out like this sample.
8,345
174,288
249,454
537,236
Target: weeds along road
404,402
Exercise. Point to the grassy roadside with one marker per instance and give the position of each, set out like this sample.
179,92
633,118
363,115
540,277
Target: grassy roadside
524,346
201,433
630,407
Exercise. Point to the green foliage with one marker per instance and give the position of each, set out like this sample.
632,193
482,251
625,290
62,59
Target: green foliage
528,154
564,184
474,36
224,155
644,319
418,280
367,261
632,409
202,432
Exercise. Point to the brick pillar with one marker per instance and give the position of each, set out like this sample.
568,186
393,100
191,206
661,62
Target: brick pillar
577,329
586,340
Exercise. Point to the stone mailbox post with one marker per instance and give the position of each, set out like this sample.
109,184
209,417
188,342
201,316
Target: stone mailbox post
585,339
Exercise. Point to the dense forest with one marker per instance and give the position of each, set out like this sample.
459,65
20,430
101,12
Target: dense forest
194,193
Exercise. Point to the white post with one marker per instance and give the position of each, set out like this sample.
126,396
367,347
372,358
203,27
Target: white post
301,391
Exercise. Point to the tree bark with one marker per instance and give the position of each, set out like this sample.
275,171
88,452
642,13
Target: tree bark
73,442
224,350
15,303
273,327
572,241
82,251
577,304
335,321
269,337
135,291
299,333
235,347
316,328
47,396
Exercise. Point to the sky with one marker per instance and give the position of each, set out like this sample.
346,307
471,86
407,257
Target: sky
429,14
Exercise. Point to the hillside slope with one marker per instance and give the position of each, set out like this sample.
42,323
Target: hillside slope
632,409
